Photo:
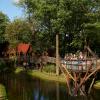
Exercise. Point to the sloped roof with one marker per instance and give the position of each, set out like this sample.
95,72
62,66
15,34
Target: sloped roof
22,47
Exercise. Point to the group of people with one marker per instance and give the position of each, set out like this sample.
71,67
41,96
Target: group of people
79,56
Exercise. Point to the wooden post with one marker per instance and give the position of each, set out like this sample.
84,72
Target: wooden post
18,58
67,77
68,84
57,54
75,84
91,85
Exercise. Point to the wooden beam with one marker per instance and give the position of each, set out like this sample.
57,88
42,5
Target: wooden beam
90,51
76,85
67,80
91,85
64,66
92,73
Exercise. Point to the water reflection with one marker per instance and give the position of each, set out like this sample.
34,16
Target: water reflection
24,87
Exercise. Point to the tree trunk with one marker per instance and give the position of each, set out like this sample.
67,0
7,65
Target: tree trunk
57,54
90,51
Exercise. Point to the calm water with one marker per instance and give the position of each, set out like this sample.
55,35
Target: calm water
24,87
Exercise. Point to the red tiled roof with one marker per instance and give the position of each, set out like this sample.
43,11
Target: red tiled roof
22,47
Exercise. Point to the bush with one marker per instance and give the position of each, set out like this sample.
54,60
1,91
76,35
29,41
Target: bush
3,93
7,65
51,68
2,65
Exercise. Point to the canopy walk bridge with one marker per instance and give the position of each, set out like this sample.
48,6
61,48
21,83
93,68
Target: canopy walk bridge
78,72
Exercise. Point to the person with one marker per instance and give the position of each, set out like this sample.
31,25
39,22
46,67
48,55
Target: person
81,56
75,62
81,61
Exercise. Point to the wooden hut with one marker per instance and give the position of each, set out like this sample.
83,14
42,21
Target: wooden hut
23,53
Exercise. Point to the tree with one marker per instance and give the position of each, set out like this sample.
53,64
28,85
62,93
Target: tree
72,18
68,17
3,23
18,31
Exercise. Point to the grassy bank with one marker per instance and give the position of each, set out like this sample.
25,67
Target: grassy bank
43,75
47,76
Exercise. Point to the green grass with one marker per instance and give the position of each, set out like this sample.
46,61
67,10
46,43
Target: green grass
97,85
3,94
47,76
19,69
49,68
43,75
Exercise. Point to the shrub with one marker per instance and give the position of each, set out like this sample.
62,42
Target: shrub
2,65
7,65
51,68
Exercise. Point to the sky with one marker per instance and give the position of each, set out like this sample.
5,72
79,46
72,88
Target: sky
8,8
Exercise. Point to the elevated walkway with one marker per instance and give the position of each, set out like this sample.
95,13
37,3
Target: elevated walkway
80,65
79,71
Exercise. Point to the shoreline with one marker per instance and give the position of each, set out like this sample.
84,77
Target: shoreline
43,75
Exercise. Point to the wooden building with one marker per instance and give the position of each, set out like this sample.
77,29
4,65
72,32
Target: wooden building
23,51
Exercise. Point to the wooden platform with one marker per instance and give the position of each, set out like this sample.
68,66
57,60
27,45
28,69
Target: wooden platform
79,72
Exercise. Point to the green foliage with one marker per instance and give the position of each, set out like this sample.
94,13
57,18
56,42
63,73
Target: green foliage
51,68
3,93
3,23
3,65
6,65
18,31
78,18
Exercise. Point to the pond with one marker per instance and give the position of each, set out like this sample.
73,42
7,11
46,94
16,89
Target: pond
25,87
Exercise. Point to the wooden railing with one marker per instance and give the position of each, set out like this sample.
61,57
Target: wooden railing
80,65
51,60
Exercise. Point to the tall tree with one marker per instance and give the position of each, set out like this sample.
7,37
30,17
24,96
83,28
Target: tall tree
72,18
18,31
3,23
